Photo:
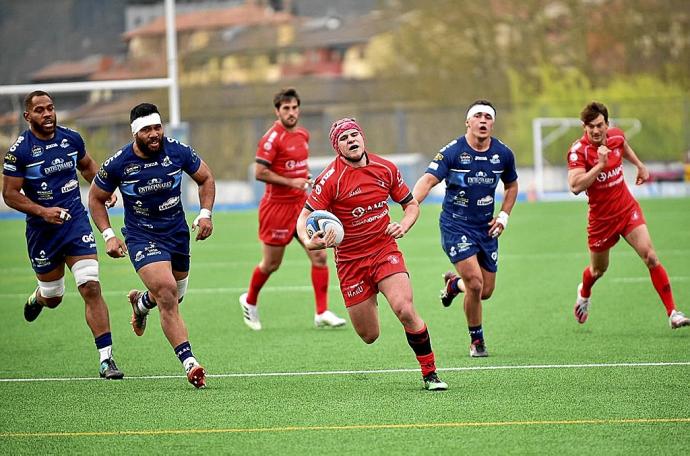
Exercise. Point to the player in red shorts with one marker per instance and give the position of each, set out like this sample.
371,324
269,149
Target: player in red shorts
356,187
281,162
595,165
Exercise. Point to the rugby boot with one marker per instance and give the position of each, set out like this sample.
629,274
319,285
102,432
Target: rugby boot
447,293
478,349
109,371
581,306
138,320
32,307
250,313
678,320
433,383
328,319
197,376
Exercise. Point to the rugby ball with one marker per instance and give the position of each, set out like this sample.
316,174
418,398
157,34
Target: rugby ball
324,221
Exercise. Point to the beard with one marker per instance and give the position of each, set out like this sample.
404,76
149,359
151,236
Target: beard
354,160
144,147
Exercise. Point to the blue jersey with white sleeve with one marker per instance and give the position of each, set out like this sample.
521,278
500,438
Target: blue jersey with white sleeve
471,179
151,187
49,170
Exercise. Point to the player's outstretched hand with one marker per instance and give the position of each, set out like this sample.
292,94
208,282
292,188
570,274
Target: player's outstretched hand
395,230
56,215
115,247
204,226
642,175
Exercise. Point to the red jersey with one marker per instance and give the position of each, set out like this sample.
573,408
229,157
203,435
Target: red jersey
609,196
359,198
285,153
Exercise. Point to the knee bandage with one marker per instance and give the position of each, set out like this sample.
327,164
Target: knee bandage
85,271
182,288
54,289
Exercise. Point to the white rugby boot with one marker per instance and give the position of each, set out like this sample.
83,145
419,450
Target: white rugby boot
328,318
250,313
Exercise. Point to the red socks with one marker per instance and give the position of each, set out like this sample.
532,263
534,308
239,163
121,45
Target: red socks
663,286
587,282
319,280
257,282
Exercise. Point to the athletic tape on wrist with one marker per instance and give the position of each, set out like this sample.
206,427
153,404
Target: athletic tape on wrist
108,233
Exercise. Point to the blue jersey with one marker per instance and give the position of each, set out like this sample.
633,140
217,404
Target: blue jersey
49,169
471,179
150,187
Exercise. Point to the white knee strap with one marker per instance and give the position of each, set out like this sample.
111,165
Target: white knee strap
54,289
85,271
182,288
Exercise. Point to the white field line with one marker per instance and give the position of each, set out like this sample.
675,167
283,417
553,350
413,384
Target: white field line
360,372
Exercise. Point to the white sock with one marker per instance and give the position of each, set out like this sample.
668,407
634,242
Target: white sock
189,363
106,352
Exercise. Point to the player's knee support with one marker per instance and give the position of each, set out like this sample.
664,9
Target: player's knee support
182,288
85,271
54,289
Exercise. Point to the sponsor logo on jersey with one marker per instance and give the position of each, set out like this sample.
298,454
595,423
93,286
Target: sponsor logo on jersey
481,177
44,193
433,165
109,160
292,164
353,290
154,185
139,209
9,158
460,199
317,189
354,192
102,173
495,159
480,158
64,143
139,256
486,201
603,176
36,151
70,185
16,144
326,176
371,218
438,157
380,183
393,259
88,238
465,158
9,167
572,157
41,260
494,256
171,202
166,162
58,165
450,144
132,168
150,165
50,146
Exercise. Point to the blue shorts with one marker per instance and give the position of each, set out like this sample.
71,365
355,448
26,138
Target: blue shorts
49,245
464,242
143,250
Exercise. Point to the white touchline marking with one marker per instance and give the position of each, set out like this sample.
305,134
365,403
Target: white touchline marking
355,372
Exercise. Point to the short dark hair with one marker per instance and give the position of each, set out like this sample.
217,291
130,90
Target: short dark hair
480,102
142,110
28,100
284,96
592,111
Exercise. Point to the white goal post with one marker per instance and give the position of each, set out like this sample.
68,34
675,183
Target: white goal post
563,125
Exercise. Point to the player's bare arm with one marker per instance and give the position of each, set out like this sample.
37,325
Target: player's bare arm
207,196
410,215
14,198
580,179
630,155
88,168
498,224
114,246
264,174
423,186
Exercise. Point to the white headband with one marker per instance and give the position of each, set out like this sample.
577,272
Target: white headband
141,122
481,108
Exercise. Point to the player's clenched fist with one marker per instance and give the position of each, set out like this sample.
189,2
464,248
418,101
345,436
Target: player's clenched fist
115,247
56,215
603,155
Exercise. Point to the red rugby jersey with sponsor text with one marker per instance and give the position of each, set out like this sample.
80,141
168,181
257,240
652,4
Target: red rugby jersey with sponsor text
359,198
609,196
285,153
